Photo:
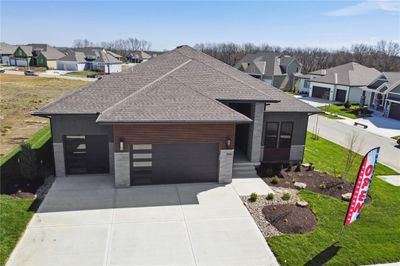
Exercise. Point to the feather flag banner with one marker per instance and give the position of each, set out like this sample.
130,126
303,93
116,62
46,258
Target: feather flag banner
362,185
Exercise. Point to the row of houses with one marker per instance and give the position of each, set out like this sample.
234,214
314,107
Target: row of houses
77,59
351,82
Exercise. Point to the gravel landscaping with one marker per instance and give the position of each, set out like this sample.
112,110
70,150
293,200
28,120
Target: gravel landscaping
256,208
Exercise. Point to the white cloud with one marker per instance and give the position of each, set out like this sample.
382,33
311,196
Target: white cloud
366,7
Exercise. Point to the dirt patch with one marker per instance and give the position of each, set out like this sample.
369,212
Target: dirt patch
316,181
290,218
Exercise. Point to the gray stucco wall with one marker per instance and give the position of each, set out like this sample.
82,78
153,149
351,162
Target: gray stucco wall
76,125
300,121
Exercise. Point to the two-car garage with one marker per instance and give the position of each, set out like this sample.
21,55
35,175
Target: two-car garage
394,110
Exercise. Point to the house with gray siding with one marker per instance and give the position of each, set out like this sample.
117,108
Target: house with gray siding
181,117
275,69
383,94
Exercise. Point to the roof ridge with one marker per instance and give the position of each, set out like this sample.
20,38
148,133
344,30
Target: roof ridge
204,95
224,72
146,86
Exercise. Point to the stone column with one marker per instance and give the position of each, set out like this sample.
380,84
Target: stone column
255,132
59,161
122,169
225,166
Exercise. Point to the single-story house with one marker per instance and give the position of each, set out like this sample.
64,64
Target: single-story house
273,68
6,51
92,59
22,56
383,94
138,57
341,83
181,117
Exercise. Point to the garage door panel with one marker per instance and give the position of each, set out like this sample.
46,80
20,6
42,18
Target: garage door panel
394,111
180,163
320,92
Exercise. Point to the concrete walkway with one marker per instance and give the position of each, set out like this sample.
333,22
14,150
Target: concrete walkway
85,221
391,179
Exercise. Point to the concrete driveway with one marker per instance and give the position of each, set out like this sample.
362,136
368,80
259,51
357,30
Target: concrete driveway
85,221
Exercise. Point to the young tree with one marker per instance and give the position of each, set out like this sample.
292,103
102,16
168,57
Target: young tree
353,145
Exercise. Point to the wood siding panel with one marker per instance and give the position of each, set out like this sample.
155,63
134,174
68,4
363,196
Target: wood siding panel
176,133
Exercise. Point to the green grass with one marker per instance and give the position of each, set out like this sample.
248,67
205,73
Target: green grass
375,238
81,73
14,216
36,141
340,110
396,137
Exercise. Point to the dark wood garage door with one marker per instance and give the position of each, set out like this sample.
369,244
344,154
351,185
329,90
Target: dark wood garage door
340,95
174,163
320,92
394,111
86,154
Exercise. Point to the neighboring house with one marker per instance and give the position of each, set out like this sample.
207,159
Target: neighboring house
181,117
6,51
40,55
341,83
273,68
138,57
91,59
383,94
44,55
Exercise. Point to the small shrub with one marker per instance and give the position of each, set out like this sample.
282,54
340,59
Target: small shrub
347,104
286,196
275,180
253,197
310,167
322,186
270,196
298,168
289,167
269,172
340,187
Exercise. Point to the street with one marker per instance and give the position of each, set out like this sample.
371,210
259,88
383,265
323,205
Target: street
341,133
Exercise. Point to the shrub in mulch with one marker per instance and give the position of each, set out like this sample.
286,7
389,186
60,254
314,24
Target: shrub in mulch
288,218
316,181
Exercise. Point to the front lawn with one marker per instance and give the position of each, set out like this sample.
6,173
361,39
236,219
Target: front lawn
396,137
81,73
14,216
375,238
341,110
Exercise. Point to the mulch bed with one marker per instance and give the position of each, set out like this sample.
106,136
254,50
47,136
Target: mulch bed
316,181
289,218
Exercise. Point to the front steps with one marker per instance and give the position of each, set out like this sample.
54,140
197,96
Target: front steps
244,169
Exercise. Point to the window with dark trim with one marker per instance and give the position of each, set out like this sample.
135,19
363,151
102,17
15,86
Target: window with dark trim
285,136
271,135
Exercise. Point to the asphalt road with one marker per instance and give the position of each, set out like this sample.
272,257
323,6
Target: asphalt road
341,133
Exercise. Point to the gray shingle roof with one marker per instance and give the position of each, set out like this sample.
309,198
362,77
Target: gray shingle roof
350,74
6,48
181,85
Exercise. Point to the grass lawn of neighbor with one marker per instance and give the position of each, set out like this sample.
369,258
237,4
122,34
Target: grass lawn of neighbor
396,137
340,110
14,216
81,73
374,238
20,95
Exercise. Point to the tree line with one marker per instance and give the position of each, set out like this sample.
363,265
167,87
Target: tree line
384,55
121,46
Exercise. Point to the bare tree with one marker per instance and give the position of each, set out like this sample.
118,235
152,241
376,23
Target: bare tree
353,145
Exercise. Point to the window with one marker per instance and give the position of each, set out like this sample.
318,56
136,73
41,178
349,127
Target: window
285,137
306,84
271,135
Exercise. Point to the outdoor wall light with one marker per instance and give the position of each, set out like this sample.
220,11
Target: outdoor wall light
228,142
121,144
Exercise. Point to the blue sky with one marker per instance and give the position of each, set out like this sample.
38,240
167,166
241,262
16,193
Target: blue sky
327,24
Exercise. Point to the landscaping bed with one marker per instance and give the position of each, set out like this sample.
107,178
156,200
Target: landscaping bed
289,218
320,182
351,112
